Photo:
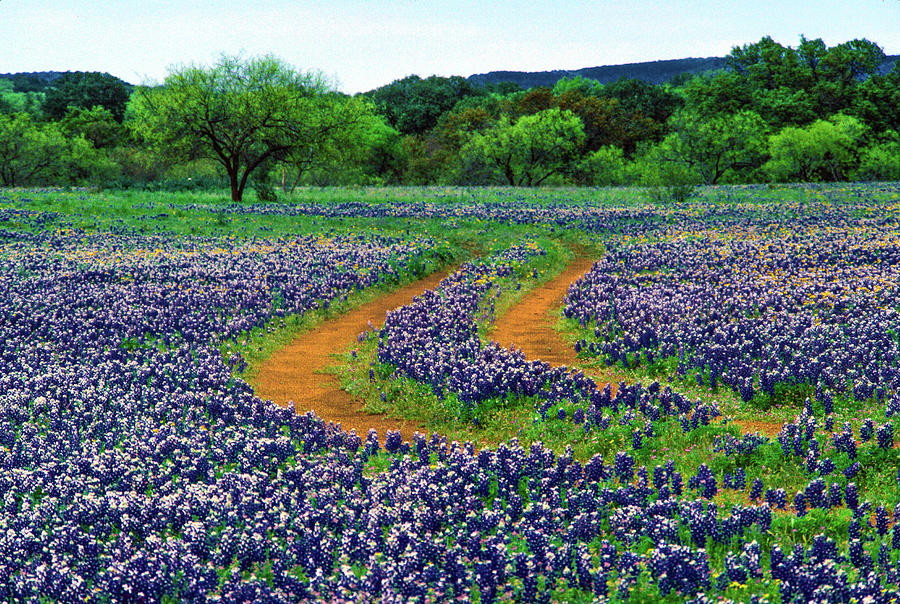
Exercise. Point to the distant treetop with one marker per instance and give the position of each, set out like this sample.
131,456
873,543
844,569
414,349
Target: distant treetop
85,90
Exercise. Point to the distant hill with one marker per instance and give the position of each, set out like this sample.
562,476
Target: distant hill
652,72
34,81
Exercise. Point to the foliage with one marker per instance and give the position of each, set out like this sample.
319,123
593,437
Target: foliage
344,141
796,86
413,105
880,161
722,92
877,101
86,90
580,84
657,103
97,125
31,82
264,192
602,168
33,153
13,100
824,150
529,151
239,113
714,147
28,152
261,119
606,122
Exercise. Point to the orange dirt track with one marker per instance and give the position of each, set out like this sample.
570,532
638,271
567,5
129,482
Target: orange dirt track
295,372
529,324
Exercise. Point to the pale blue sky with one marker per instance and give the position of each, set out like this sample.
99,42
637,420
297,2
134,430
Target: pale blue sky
363,44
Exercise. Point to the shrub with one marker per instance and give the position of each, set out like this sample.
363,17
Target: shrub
264,192
880,162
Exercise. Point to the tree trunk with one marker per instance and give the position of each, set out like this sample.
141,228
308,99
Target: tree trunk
236,192
297,179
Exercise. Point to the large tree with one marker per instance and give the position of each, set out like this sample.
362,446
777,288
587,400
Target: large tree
29,153
715,146
86,90
878,101
241,113
794,87
823,150
529,151
413,105
657,103
346,141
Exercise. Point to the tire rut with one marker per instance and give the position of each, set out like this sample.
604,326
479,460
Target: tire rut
294,375
529,325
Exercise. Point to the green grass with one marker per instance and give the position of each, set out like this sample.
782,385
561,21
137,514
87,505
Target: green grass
501,420
498,420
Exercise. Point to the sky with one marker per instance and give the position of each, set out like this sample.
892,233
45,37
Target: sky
364,44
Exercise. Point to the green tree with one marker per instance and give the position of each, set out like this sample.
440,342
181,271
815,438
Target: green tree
881,161
582,85
526,152
784,106
657,103
413,105
97,125
32,153
242,114
29,153
721,92
529,102
605,120
851,61
86,90
30,82
824,150
877,101
811,53
433,157
14,101
796,86
8,98
345,141
602,168
767,65
842,69
715,146
607,123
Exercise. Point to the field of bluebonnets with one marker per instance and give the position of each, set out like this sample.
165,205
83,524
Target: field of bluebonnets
137,464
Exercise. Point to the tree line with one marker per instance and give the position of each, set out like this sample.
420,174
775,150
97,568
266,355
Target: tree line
774,113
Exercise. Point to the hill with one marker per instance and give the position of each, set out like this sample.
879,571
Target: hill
652,72
35,81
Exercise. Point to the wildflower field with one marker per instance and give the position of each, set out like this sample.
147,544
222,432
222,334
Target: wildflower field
750,454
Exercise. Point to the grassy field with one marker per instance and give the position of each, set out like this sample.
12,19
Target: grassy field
755,308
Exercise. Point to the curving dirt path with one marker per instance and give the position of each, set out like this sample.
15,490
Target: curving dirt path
528,325
294,374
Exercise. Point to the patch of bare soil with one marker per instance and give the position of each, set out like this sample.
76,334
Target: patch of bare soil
294,375
529,325
770,429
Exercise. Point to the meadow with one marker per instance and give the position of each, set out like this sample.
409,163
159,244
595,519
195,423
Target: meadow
750,455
